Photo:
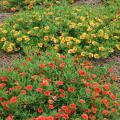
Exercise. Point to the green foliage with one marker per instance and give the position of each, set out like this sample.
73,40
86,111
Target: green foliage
66,29
54,85
16,5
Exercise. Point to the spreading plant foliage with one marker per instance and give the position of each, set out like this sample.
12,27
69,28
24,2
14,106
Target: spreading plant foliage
57,87
66,29
16,5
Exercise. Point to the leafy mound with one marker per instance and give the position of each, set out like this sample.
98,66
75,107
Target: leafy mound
16,5
60,87
73,30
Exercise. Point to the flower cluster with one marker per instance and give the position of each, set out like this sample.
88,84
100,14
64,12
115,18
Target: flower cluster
54,87
72,32
16,5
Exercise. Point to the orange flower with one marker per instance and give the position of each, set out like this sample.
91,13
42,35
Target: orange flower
39,89
82,101
85,116
29,87
59,83
81,73
71,89
40,110
106,86
4,78
105,112
41,65
13,100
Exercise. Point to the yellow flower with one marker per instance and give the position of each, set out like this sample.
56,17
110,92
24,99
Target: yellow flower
89,29
36,28
89,41
40,44
73,25
83,36
20,20
70,51
3,39
45,38
118,46
11,45
94,42
101,33
62,41
5,3
96,56
82,18
29,32
101,49
83,53
92,23
75,48
93,35
116,37
16,33
46,28
77,41
91,55
4,31
9,49
111,50
106,36
56,47
19,39
26,38
14,26
55,40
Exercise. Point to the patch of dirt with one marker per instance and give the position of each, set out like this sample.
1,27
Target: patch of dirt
94,2
4,16
7,59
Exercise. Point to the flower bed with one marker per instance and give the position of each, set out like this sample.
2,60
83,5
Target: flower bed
73,30
56,87
16,5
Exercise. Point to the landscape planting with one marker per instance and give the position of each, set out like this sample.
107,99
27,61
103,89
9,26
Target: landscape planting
58,86
62,72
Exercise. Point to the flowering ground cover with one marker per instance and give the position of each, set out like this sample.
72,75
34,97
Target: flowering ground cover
73,30
61,87
55,77
16,5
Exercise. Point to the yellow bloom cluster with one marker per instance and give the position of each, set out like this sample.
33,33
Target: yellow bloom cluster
69,32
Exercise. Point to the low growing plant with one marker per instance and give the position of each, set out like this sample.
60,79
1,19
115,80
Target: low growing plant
56,87
73,30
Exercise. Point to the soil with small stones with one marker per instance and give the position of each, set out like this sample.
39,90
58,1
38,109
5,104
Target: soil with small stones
7,59
4,16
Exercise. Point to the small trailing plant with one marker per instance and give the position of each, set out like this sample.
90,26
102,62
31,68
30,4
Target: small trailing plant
51,86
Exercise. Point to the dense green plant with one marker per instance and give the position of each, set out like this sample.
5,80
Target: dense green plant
57,86
73,30
16,5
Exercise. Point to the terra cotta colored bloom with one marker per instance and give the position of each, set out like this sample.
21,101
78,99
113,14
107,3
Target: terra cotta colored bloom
85,116
29,87
81,73
13,100
71,89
